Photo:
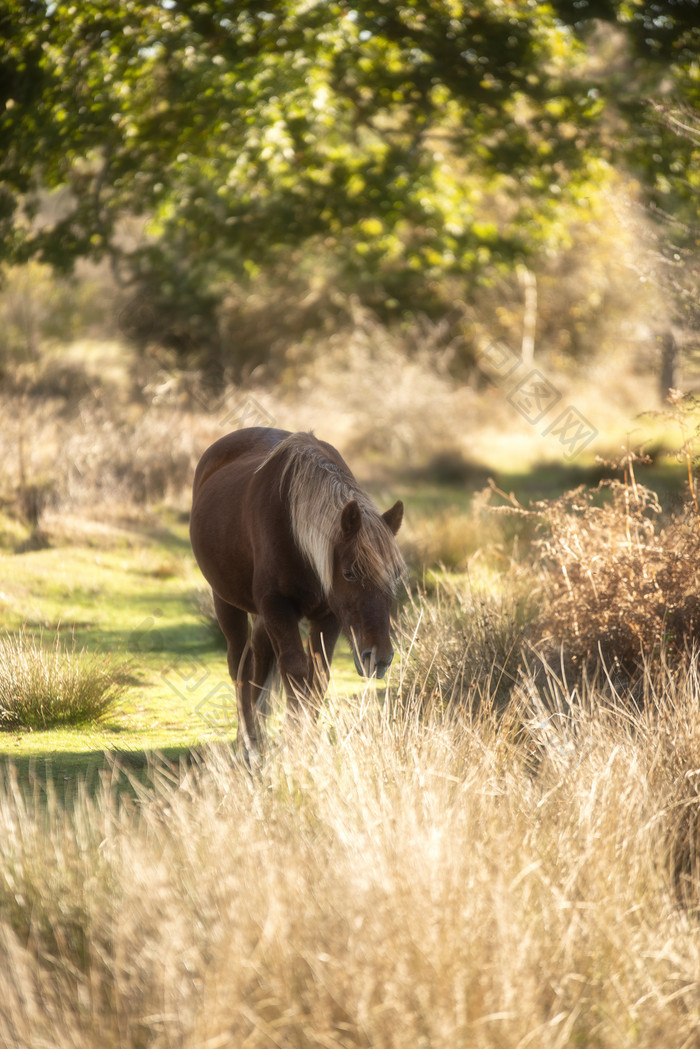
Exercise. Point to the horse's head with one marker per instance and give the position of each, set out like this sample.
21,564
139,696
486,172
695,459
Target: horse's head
367,569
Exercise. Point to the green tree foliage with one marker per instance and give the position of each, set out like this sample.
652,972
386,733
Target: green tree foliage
651,86
398,141
647,72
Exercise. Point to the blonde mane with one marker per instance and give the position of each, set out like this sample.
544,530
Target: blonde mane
318,490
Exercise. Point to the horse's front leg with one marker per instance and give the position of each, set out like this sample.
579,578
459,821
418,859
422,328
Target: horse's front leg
323,635
281,622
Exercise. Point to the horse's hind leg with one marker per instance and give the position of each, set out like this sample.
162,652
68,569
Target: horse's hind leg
234,626
263,666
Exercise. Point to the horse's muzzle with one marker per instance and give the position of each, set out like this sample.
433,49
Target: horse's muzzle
369,666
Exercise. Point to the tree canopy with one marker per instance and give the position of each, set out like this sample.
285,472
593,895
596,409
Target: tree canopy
399,141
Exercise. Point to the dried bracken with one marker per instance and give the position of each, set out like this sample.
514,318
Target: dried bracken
622,584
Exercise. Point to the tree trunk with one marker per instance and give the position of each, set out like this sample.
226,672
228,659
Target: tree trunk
528,282
670,375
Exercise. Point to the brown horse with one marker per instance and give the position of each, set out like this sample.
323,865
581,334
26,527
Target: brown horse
281,530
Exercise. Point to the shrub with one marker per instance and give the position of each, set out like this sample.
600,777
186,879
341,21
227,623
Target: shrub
621,585
46,685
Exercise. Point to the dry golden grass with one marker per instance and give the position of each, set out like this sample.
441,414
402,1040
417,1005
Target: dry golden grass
466,644
383,881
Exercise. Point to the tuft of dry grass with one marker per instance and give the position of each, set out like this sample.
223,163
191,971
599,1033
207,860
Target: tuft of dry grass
467,644
42,685
385,879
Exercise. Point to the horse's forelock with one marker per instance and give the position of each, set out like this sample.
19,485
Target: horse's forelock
318,489
377,557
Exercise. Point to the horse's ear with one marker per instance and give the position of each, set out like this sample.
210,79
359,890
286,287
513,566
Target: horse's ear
350,519
394,516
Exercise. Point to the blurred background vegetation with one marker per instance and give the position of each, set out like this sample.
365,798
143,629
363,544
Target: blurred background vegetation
231,181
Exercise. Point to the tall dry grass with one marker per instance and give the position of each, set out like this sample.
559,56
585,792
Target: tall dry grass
466,644
384,880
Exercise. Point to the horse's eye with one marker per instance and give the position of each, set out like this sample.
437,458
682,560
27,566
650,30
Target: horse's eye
349,575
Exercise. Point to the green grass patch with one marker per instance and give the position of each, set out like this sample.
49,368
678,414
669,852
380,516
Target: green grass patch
130,594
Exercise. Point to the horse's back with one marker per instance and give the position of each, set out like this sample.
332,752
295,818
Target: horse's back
253,442
229,506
